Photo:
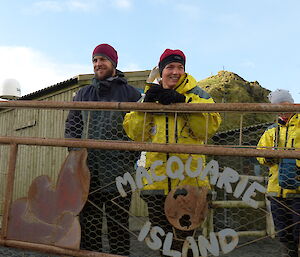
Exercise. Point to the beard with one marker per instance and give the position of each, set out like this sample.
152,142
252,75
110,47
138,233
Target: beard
107,73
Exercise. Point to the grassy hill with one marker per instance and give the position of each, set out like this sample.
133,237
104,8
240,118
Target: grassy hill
228,87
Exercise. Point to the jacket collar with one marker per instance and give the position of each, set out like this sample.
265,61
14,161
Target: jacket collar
186,83
106,83
293,120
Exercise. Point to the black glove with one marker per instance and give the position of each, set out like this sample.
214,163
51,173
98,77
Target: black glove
170,96
153,93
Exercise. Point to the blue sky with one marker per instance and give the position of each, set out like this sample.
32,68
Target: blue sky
46,42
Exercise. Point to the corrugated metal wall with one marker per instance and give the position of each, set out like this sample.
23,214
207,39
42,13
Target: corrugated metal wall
34,161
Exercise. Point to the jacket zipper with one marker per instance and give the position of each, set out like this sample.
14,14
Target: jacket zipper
286,136
167,141
176,129
285,144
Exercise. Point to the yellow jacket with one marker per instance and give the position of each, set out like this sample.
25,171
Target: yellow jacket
288,136
189,128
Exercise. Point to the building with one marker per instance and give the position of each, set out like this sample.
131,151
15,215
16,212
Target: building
34,161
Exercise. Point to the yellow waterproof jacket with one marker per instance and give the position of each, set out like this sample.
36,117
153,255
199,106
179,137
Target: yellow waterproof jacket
181,128
289,137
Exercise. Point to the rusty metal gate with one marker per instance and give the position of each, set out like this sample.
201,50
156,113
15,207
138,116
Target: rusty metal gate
155,187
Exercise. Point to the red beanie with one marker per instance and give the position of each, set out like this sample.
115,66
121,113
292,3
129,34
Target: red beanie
169,56
107,51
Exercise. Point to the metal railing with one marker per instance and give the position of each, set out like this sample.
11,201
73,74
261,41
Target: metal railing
207,149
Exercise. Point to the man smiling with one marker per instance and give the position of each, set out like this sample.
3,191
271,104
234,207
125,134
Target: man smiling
108,85
105,60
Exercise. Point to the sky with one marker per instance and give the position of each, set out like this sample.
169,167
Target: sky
46,42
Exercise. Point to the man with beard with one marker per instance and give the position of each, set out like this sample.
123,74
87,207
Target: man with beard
108,85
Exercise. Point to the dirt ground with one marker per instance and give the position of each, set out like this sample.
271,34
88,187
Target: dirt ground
262,248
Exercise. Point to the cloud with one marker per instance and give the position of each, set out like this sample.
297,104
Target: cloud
130,67
35,70
80,5
159,2
42,6
123,4
185,8
62,6
75,5
248,64
189,11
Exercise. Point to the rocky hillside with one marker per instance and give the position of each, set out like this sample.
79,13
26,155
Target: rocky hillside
228,87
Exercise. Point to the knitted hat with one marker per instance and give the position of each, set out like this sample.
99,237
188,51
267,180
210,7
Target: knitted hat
107,51
279,96
169,56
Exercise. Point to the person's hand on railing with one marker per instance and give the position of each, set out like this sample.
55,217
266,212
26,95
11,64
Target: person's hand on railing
170,96
153,93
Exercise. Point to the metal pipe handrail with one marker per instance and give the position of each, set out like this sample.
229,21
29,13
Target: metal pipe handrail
154,107
53,249
151,147
9,188
235,204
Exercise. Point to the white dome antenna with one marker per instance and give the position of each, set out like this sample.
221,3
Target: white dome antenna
10,89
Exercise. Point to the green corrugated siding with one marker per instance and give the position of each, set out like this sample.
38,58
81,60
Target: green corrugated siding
34,161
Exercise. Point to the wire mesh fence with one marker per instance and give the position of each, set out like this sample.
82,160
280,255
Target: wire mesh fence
152,190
